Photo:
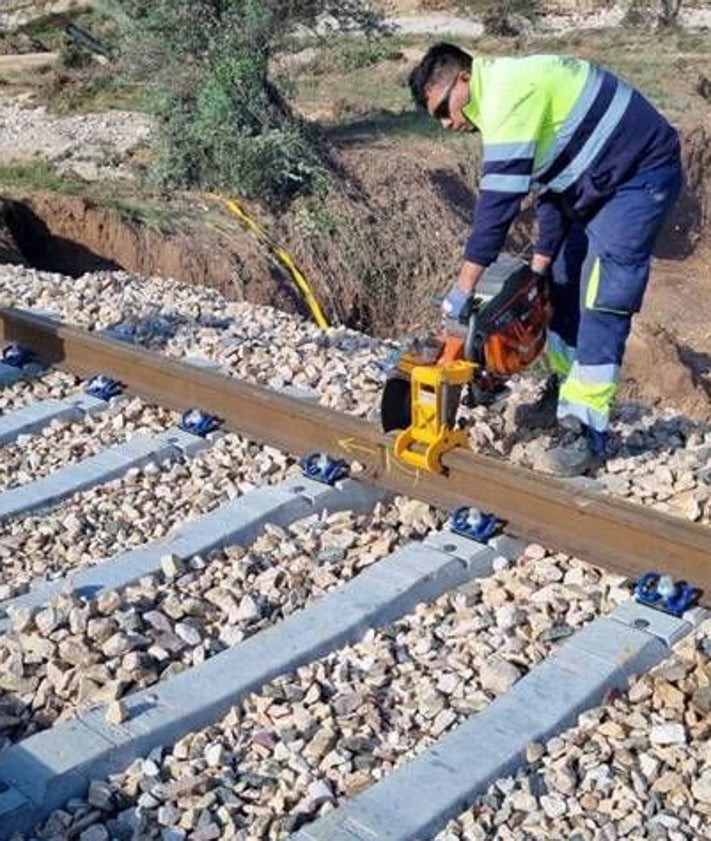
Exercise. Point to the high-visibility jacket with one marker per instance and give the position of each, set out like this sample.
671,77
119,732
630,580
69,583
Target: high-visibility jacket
564,128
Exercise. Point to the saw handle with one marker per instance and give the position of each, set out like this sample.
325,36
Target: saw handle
452,328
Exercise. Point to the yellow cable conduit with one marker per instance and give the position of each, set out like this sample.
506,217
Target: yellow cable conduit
284,258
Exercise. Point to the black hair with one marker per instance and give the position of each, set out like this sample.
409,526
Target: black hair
440,60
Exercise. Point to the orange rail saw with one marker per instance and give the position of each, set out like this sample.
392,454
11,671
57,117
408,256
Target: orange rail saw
499,337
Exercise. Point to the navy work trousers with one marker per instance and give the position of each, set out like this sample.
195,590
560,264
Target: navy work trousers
599,278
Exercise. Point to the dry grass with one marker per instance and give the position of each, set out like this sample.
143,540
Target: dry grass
666,68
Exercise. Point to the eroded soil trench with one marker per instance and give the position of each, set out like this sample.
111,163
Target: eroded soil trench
72,236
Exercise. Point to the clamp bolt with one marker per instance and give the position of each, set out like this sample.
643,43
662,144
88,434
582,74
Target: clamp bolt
472,523
104,388
323,468
199,423
661,592
16,356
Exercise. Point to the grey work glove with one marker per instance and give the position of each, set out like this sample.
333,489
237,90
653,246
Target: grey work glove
457,303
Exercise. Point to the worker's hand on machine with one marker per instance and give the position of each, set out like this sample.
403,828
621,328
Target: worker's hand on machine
541,265
457,304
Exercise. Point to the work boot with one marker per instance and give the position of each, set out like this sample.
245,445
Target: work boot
542,413
584,452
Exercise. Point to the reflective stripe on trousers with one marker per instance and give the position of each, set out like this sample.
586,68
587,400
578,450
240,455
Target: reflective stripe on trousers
560,355
587,394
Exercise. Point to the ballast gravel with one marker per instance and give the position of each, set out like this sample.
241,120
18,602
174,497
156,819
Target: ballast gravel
60,444
333,728
52,384
339,368
141,507
79,651
658,458
636,768
249,777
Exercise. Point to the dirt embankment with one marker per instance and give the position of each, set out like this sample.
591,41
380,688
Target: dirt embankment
73,235
375,251
656,371
395,232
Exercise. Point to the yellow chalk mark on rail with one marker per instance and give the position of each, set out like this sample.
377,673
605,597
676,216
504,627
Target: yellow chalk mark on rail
352,445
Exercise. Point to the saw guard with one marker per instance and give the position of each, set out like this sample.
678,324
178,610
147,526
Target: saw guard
500,338
429,436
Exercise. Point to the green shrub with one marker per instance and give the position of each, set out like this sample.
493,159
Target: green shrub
499,16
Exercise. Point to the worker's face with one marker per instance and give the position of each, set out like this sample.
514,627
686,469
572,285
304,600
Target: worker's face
446,99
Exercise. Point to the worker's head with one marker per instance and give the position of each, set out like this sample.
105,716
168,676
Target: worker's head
440,85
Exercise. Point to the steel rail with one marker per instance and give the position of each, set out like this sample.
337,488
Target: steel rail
602,530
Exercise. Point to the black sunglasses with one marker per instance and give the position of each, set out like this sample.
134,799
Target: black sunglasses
441,112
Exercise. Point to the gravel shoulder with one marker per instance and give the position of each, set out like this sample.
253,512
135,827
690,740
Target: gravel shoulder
84,145
59,444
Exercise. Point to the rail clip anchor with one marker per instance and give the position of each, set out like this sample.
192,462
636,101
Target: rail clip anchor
663,593
16,356
104,388
472,523
323,468
199,423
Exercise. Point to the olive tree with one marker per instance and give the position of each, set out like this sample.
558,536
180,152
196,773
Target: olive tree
225,121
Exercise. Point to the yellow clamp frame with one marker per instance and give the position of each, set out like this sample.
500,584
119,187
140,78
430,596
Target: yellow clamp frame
429,437
284,258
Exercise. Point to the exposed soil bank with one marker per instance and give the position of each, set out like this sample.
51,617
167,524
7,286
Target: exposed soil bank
658,372
72,235
375,253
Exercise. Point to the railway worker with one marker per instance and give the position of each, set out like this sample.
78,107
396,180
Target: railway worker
606,168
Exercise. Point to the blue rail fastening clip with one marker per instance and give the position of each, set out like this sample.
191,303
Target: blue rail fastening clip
199,423
662,593
323,468
104,388
472,523
16,356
